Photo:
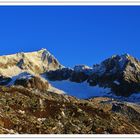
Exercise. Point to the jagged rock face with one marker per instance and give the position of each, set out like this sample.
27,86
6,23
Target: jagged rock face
35,62
33,82
120,73
26,80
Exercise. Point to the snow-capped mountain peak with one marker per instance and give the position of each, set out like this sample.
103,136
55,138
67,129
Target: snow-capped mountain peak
34,62
116,63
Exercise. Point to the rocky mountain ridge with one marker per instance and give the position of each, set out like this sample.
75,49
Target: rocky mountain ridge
120,73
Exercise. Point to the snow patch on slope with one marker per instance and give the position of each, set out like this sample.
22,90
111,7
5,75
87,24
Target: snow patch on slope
55,90
85,91
135,97
80,90
117,82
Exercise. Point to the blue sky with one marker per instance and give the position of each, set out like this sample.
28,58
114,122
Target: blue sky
74,35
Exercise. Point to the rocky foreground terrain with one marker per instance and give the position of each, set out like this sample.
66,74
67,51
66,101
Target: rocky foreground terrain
26,111
34,98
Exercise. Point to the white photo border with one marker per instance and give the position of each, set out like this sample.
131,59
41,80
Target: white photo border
70,2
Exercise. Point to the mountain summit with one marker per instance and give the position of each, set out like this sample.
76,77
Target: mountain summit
120,73
34,62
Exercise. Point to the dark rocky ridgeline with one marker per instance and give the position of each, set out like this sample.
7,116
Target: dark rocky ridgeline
120,73
67,74
78,77
26,111
60,74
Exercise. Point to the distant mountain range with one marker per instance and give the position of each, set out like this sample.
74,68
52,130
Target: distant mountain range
118,75
40,95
